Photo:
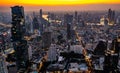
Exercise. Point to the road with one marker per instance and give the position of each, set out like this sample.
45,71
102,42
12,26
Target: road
87,59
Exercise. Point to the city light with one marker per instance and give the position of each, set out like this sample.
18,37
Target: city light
59,36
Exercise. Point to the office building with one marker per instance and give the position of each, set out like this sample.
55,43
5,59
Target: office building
111,16
68,31
2,42
18,23
107,64
118,20
41,21
76,17
22,57
3,66
41,13
35,23
103,21
29,24
68,19
18,32
47,39
115,45
112,58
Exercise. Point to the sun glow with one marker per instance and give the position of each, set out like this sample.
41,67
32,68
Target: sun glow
57,2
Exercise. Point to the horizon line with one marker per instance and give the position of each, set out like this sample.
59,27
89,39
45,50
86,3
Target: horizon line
60,4
82,7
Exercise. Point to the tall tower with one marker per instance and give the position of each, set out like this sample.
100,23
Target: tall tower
111,16
35,23
68,31
18,23
112,58
40,13
109,13
41,21
68,19
76,17
47,39
19,44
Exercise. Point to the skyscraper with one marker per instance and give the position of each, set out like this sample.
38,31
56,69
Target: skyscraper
2,42
111,16
104,21
68,19
107,63
47,39
3,66
22,57
18,23
19,44
35,24
68,31
41,21
116,45
40,13
111,59
118,20
76,17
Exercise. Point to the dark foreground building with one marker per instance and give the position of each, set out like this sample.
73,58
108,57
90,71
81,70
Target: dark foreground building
19,44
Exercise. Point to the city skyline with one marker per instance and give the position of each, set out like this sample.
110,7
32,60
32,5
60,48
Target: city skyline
60,42
89,7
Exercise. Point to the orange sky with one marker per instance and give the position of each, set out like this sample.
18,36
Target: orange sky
55,2
60,5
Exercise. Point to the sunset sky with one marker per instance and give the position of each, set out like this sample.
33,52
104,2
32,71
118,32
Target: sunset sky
58,4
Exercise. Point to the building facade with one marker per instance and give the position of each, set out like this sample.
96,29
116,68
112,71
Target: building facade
3,66
19,44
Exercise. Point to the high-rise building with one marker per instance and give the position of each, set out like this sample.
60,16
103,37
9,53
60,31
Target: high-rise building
118,20
19,44
35,23
41,13
41,21
81,21
18,23
109,13
68,31
3,66
29,25
116,45
107,63
68,19
104,21
76,15
111,16
51,56
2,42
22,57
47,39
112,58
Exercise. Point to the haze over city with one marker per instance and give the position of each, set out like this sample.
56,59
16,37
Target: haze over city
61,5
59,36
